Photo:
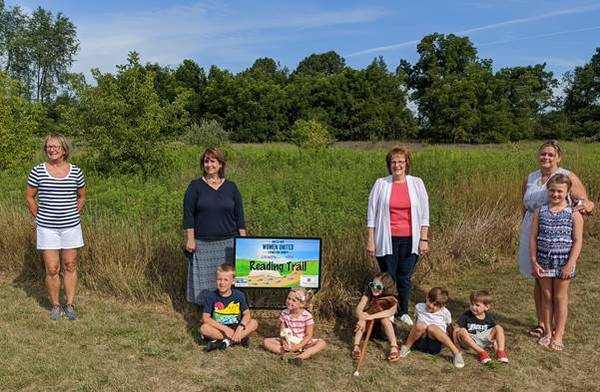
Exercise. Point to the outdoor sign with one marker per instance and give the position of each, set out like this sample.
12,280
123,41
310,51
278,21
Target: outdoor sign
277,262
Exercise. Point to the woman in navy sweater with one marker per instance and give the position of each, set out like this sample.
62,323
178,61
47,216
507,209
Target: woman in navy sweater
213,214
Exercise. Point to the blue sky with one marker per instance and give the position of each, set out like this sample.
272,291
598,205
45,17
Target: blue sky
232,34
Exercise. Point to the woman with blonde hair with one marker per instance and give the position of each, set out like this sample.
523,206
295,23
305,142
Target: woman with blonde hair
60,190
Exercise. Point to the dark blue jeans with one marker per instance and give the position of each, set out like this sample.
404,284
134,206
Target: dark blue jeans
401,265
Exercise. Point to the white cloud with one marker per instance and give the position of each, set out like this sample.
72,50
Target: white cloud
493,26
205,31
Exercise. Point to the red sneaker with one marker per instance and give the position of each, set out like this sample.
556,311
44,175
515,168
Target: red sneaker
502,356
484,357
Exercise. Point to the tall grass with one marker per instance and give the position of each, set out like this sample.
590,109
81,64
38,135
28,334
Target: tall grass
132,226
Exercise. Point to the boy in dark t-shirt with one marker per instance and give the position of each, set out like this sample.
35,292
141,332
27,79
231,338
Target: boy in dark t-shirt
226,318
478,330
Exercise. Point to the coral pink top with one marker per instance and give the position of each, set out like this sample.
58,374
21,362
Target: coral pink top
400,219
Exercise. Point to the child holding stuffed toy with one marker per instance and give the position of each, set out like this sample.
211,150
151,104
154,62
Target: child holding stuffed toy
378,303
297,328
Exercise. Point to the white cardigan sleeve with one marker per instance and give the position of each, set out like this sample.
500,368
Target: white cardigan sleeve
373,200
424,202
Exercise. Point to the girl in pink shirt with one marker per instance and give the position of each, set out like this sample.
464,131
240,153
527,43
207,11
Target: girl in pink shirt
296,329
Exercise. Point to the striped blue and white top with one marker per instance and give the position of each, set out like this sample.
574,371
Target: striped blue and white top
57,197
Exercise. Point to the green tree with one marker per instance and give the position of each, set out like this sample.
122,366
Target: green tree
125,121
37,50
327,63
18,121
582,100
53,45
191,77
14,44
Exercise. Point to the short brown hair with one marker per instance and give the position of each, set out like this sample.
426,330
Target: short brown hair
438,296
560,179
226,267
482,296
64,143
398,150
213,153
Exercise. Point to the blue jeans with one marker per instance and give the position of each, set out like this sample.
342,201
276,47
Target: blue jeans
401,265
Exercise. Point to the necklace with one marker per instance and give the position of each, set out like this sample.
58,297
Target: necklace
213,181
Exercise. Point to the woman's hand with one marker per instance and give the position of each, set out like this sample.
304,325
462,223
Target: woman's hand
371,247
423,247
585,207
190,245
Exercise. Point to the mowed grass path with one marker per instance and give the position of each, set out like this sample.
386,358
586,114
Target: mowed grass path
125,346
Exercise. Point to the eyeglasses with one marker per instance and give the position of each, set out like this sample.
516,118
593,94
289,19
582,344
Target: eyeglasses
376,286
50,147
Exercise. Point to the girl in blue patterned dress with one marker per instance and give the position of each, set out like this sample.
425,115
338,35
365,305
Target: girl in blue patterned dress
555,243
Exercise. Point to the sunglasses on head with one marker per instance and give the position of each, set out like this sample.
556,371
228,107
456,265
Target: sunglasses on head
376,286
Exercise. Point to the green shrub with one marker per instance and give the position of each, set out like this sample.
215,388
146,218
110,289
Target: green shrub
311,134
209,133
18,121
125,123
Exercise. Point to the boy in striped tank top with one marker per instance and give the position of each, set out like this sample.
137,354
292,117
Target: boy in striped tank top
554,246
296,329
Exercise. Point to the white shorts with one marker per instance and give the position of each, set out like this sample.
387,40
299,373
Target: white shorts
50,239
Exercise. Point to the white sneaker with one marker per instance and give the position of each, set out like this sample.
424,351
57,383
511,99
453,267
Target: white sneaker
405,318
459,362
404,351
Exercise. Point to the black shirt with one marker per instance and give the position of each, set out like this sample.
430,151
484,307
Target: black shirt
213,214
473,324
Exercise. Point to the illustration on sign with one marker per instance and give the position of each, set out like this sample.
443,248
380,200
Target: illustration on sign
269,262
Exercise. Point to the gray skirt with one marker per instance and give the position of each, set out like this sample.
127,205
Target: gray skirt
202,269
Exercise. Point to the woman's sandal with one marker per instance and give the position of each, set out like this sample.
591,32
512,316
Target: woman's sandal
394,354
355,352
557,345
537,331
544,341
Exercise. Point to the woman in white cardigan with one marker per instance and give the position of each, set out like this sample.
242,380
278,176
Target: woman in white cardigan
398,222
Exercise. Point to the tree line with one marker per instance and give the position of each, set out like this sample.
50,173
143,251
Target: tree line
449,94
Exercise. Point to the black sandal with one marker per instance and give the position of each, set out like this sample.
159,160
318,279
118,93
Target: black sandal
537,331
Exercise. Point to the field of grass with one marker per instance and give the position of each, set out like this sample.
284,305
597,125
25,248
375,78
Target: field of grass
137,333
130,346
132,226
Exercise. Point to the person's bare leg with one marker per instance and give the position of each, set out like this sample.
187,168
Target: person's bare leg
499,339
69,258
388,328
312,350
537,298
273,345
464,337
435,332
547,305
52,267
561,307
416,333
